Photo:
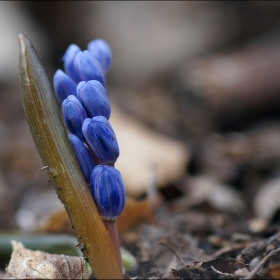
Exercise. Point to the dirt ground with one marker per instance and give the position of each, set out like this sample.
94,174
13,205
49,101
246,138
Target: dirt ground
196,92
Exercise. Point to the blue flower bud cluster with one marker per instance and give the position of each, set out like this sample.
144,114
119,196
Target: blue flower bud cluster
80,91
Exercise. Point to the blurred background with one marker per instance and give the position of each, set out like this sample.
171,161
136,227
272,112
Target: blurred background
195,93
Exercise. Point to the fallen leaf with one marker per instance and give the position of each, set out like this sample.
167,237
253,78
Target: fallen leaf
230,266
142,150
220,196
28,264
135,213
57,222
273,272
188,272
267,199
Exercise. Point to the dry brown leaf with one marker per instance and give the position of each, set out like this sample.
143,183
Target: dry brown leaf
142,150
267,199
273,272
57,222
230,266
28,264
220,196
135,213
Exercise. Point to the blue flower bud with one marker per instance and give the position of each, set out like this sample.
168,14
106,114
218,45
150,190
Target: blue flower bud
107,189
74,115
102,52
83,155
88,68
94,98
101,139
63,86
68,60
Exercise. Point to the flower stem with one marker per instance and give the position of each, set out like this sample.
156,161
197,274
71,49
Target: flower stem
112,229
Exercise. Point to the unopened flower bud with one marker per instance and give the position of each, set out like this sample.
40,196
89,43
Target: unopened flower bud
101,139
83,155
107,189
88,68
74,115
102,52
68,59
63,86
94,98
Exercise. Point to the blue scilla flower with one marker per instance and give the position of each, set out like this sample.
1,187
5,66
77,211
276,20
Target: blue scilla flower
68,59
94,98
88,68
74,115
83,155
107,189
101,139
63,86
102,52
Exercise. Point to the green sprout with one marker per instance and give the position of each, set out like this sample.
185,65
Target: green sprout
51,140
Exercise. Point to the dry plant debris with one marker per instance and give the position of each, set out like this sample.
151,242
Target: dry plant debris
27,264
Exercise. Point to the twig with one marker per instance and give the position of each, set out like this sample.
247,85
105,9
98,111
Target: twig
173,251
228,249
252,274
234,275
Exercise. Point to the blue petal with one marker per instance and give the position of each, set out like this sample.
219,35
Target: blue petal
102,52
74,115
68,60
63,86
88,68
94,98
83,155
101,139
107,189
